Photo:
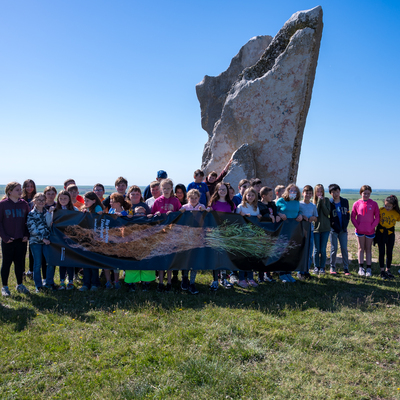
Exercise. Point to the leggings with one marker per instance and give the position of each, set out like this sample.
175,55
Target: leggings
13,252
389,243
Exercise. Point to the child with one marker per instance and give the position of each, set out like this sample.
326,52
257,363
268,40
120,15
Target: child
28,193
200,186
91,279
165,204
309,212
155,192
134,196
213,178
385,234
194,202
121,185
14,236
278,192
180,193
256,184
160,176
247,208
50,192
118,205
39,240
339,218
64,202
321,229
72,182
140,212
243,185
221,202
98,188
365,218
74,191
288,206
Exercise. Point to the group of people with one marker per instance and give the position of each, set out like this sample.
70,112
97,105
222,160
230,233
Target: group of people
26,216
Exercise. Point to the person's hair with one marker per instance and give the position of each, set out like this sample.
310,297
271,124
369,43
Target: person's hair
154,184
24,185
319,186
192,193
70,188
37,195
119,180
93,196
364,188
213,173
68,182
168,181
185,195
198,172
308,188
9,188
279,188
265,190
134,188
255,181
285,195
49,189
138,208
69,206
333,187
215,197
119,198
100,185
242,182
244,200
392,199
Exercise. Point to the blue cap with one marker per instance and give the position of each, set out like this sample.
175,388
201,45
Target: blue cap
162,174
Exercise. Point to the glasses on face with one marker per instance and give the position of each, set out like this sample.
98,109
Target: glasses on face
98,190
41,200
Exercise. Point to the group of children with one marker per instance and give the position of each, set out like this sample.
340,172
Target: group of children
26,215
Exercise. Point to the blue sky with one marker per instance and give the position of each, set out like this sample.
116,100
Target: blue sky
98,89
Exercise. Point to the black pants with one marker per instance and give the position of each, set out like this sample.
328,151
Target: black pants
389,243
13,252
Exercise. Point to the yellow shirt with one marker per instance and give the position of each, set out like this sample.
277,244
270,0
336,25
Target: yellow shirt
388,218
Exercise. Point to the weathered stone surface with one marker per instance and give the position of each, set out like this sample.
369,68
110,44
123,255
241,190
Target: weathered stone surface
243,165
266,105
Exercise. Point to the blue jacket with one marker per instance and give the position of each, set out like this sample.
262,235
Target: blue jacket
335,222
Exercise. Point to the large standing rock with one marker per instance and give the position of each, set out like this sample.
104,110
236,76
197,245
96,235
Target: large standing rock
266,104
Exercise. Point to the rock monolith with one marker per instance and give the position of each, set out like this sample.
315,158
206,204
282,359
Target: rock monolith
261,101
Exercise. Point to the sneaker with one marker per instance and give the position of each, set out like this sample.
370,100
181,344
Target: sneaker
94,288
301,276
368,274
22,289
361,271
5,291
145,286
132,287
52,286
332,271
233,279
192,289
384,275
243,284
160,287
62,286
117,285
214,286
39,289
185,283
109,285
84,289
252,282
346,272
226,284
70,286
44,282
268,277
389,275
284,278
322,271
316,270
168,288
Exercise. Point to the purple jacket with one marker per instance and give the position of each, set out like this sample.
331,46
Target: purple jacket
13,219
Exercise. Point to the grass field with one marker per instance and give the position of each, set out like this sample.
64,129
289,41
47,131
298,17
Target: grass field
328,338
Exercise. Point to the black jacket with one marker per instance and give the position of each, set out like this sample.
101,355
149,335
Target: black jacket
335,223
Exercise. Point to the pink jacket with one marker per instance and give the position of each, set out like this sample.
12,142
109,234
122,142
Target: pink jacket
365,216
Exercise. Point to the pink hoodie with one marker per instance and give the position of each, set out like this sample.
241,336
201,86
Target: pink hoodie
365,216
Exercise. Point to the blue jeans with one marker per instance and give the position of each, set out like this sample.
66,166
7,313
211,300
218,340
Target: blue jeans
91,277
342,236
242,275
64,271
320,243
38,250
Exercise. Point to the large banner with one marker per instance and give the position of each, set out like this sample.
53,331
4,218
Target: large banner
191,240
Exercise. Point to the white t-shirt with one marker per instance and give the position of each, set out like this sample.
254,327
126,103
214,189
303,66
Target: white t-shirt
247,209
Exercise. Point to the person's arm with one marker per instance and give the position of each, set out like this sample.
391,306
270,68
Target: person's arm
224,172
376,215
354,215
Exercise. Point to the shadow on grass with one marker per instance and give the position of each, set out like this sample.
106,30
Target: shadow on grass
19,317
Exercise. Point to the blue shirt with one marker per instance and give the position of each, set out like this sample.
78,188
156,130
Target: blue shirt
202,188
